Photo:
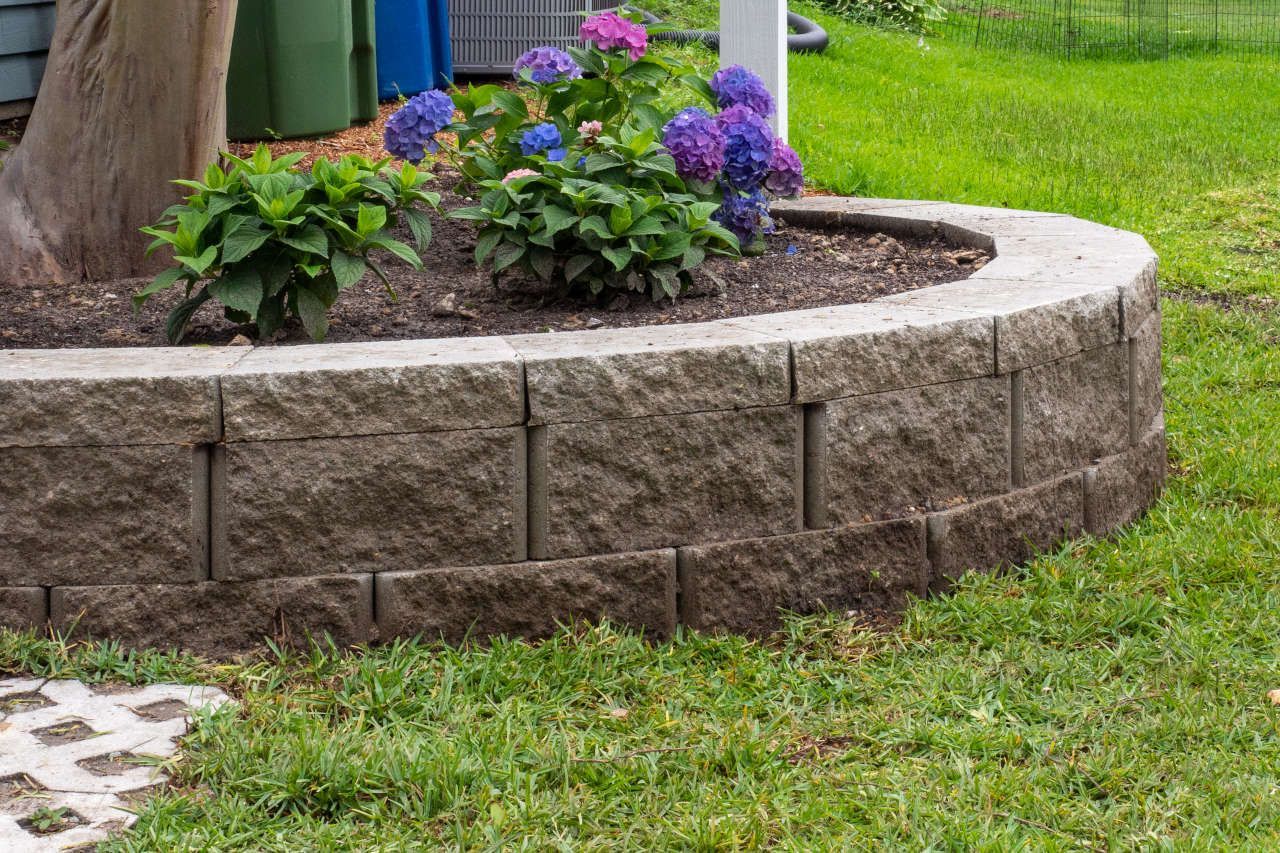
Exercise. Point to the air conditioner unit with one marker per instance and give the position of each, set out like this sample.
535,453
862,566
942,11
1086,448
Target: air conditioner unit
488,36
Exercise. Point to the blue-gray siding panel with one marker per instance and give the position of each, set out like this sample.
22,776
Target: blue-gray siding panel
26,28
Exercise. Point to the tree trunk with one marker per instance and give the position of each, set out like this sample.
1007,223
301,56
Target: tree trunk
133,96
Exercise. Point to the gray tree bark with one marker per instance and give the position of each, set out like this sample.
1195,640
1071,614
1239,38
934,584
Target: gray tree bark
134,95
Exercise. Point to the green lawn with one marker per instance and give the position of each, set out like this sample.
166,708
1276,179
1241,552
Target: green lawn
1112,695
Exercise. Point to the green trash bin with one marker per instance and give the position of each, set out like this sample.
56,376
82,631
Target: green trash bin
301,68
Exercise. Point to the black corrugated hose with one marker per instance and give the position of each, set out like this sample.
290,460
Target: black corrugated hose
807,38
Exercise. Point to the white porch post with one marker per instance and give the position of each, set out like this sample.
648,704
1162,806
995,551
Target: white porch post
754,33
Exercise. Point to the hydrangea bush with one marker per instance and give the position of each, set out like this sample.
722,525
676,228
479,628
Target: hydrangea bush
587,180
270,241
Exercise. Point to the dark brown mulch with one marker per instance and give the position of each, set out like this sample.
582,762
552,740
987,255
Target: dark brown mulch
801,269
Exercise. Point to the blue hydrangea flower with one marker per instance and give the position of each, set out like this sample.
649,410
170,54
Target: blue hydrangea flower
697,145
542,137
786,172
747,216
411,130
736,86
548,65
748,147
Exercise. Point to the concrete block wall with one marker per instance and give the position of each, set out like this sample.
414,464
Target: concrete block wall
708,474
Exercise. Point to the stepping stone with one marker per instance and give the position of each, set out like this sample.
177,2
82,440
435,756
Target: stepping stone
75,758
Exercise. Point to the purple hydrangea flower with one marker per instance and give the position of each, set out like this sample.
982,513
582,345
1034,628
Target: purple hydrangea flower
748,147
542,137
747,216
786,172
548,65
736,85
697,145
411,130
609,31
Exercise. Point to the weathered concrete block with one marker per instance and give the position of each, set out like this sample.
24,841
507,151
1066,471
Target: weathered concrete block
894,453
219,619
375,503
1007,530
1147,388
77,397
652,370
372,389
1121,487
645,483
1076,410
847,350
120,514
528,599
742,586
1035,321
22,607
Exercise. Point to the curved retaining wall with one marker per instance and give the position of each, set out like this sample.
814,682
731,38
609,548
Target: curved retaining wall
706,474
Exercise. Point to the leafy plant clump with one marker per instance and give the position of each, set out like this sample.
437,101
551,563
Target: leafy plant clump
270,241
917,16
579,178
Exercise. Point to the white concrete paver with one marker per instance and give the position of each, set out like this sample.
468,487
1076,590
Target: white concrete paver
50,732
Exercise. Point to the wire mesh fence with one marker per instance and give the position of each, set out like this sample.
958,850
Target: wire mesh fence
1149,29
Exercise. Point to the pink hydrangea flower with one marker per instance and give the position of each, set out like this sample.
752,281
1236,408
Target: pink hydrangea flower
609,31
591,130
518,173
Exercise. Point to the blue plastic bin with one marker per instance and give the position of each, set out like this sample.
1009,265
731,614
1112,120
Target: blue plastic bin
413,46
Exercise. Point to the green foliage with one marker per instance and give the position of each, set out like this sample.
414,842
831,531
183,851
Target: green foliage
623,220
270,241
611,214
914,15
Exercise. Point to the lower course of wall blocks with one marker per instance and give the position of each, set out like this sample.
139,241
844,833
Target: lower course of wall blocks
711,476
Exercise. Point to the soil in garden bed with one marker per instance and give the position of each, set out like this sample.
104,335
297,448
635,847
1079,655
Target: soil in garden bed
801,268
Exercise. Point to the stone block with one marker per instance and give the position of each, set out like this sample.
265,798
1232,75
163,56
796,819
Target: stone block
78,397
373,503
22,607
1075,411
847,350
894,453
372,389
529,599
645,483
1035,321
743,586
1120,488
1145,376
219,619
652,370
1005,531
70,515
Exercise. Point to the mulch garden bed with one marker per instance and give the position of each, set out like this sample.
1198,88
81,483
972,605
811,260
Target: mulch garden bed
801,268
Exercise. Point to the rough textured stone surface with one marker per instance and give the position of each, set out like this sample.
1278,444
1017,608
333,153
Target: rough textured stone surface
528,599
373,388
1007,530
22,607
889,454
1148,393
846,350
219,619
377,503
742,586
110,396
1121,487
655,370
70,515
1076,410
643,483
1035,321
